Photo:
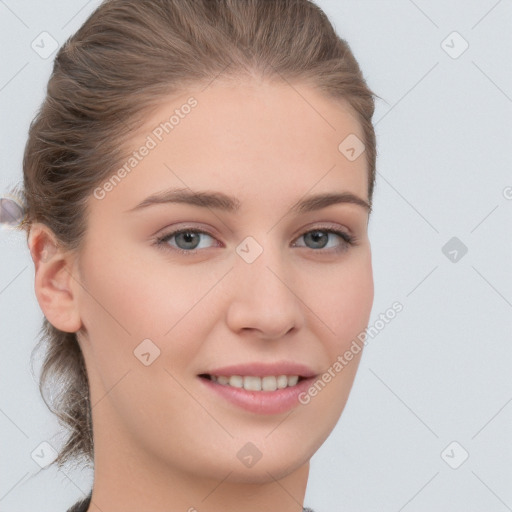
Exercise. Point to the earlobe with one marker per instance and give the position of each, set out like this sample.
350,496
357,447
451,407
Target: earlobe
54,283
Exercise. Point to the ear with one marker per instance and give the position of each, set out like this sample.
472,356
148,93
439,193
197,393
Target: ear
55,280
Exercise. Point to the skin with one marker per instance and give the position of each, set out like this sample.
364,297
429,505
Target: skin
162,442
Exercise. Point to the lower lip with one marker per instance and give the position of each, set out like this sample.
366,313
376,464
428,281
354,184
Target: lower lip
261,402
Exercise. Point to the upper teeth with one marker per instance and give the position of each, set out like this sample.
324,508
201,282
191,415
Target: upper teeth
251,383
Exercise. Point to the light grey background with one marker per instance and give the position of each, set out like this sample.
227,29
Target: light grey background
440,371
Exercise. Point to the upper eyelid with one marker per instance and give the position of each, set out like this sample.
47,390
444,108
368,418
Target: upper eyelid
176,232
326,225
206,231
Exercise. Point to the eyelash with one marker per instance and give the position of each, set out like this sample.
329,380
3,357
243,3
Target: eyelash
348,240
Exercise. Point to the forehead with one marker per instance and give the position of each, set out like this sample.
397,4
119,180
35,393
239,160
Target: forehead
258,141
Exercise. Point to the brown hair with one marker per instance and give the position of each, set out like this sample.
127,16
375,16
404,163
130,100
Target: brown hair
124,59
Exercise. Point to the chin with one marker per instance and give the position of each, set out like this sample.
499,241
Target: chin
264,471
252,465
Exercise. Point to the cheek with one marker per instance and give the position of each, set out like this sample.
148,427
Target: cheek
126,303
343,300
344,305
139,296
128,300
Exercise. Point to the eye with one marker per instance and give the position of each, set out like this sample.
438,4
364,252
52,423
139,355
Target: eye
188,241
185,240
319,239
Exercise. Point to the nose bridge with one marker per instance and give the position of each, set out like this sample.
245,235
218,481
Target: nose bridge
264,260
263,297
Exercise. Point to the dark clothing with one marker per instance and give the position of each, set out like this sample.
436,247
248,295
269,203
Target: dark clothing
83,505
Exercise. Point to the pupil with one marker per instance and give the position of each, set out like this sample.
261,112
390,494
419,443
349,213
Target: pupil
318,236
189,237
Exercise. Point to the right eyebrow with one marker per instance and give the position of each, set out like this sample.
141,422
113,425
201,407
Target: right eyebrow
216,200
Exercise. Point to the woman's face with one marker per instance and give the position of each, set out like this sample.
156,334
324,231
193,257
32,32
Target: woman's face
266,289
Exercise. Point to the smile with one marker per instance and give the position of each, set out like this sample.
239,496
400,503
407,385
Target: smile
255,383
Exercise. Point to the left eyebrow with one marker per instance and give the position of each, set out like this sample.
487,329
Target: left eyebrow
319,201
221,201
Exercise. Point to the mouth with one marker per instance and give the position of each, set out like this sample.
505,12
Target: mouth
267,383
258,387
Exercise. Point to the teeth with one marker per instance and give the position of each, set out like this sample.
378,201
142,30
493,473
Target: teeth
252,383
236,381
282,381
269,383
293,380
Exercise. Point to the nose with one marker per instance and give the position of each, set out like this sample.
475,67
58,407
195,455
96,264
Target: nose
262,298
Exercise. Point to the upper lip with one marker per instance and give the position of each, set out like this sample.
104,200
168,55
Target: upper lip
263,369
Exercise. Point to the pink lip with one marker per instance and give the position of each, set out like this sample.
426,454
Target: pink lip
262,402
264,369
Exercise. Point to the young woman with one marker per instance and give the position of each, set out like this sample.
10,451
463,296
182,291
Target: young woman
198,184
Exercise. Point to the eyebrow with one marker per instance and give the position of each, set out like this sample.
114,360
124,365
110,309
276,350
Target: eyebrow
221,201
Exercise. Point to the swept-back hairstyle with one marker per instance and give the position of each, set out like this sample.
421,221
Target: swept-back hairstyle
123,61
